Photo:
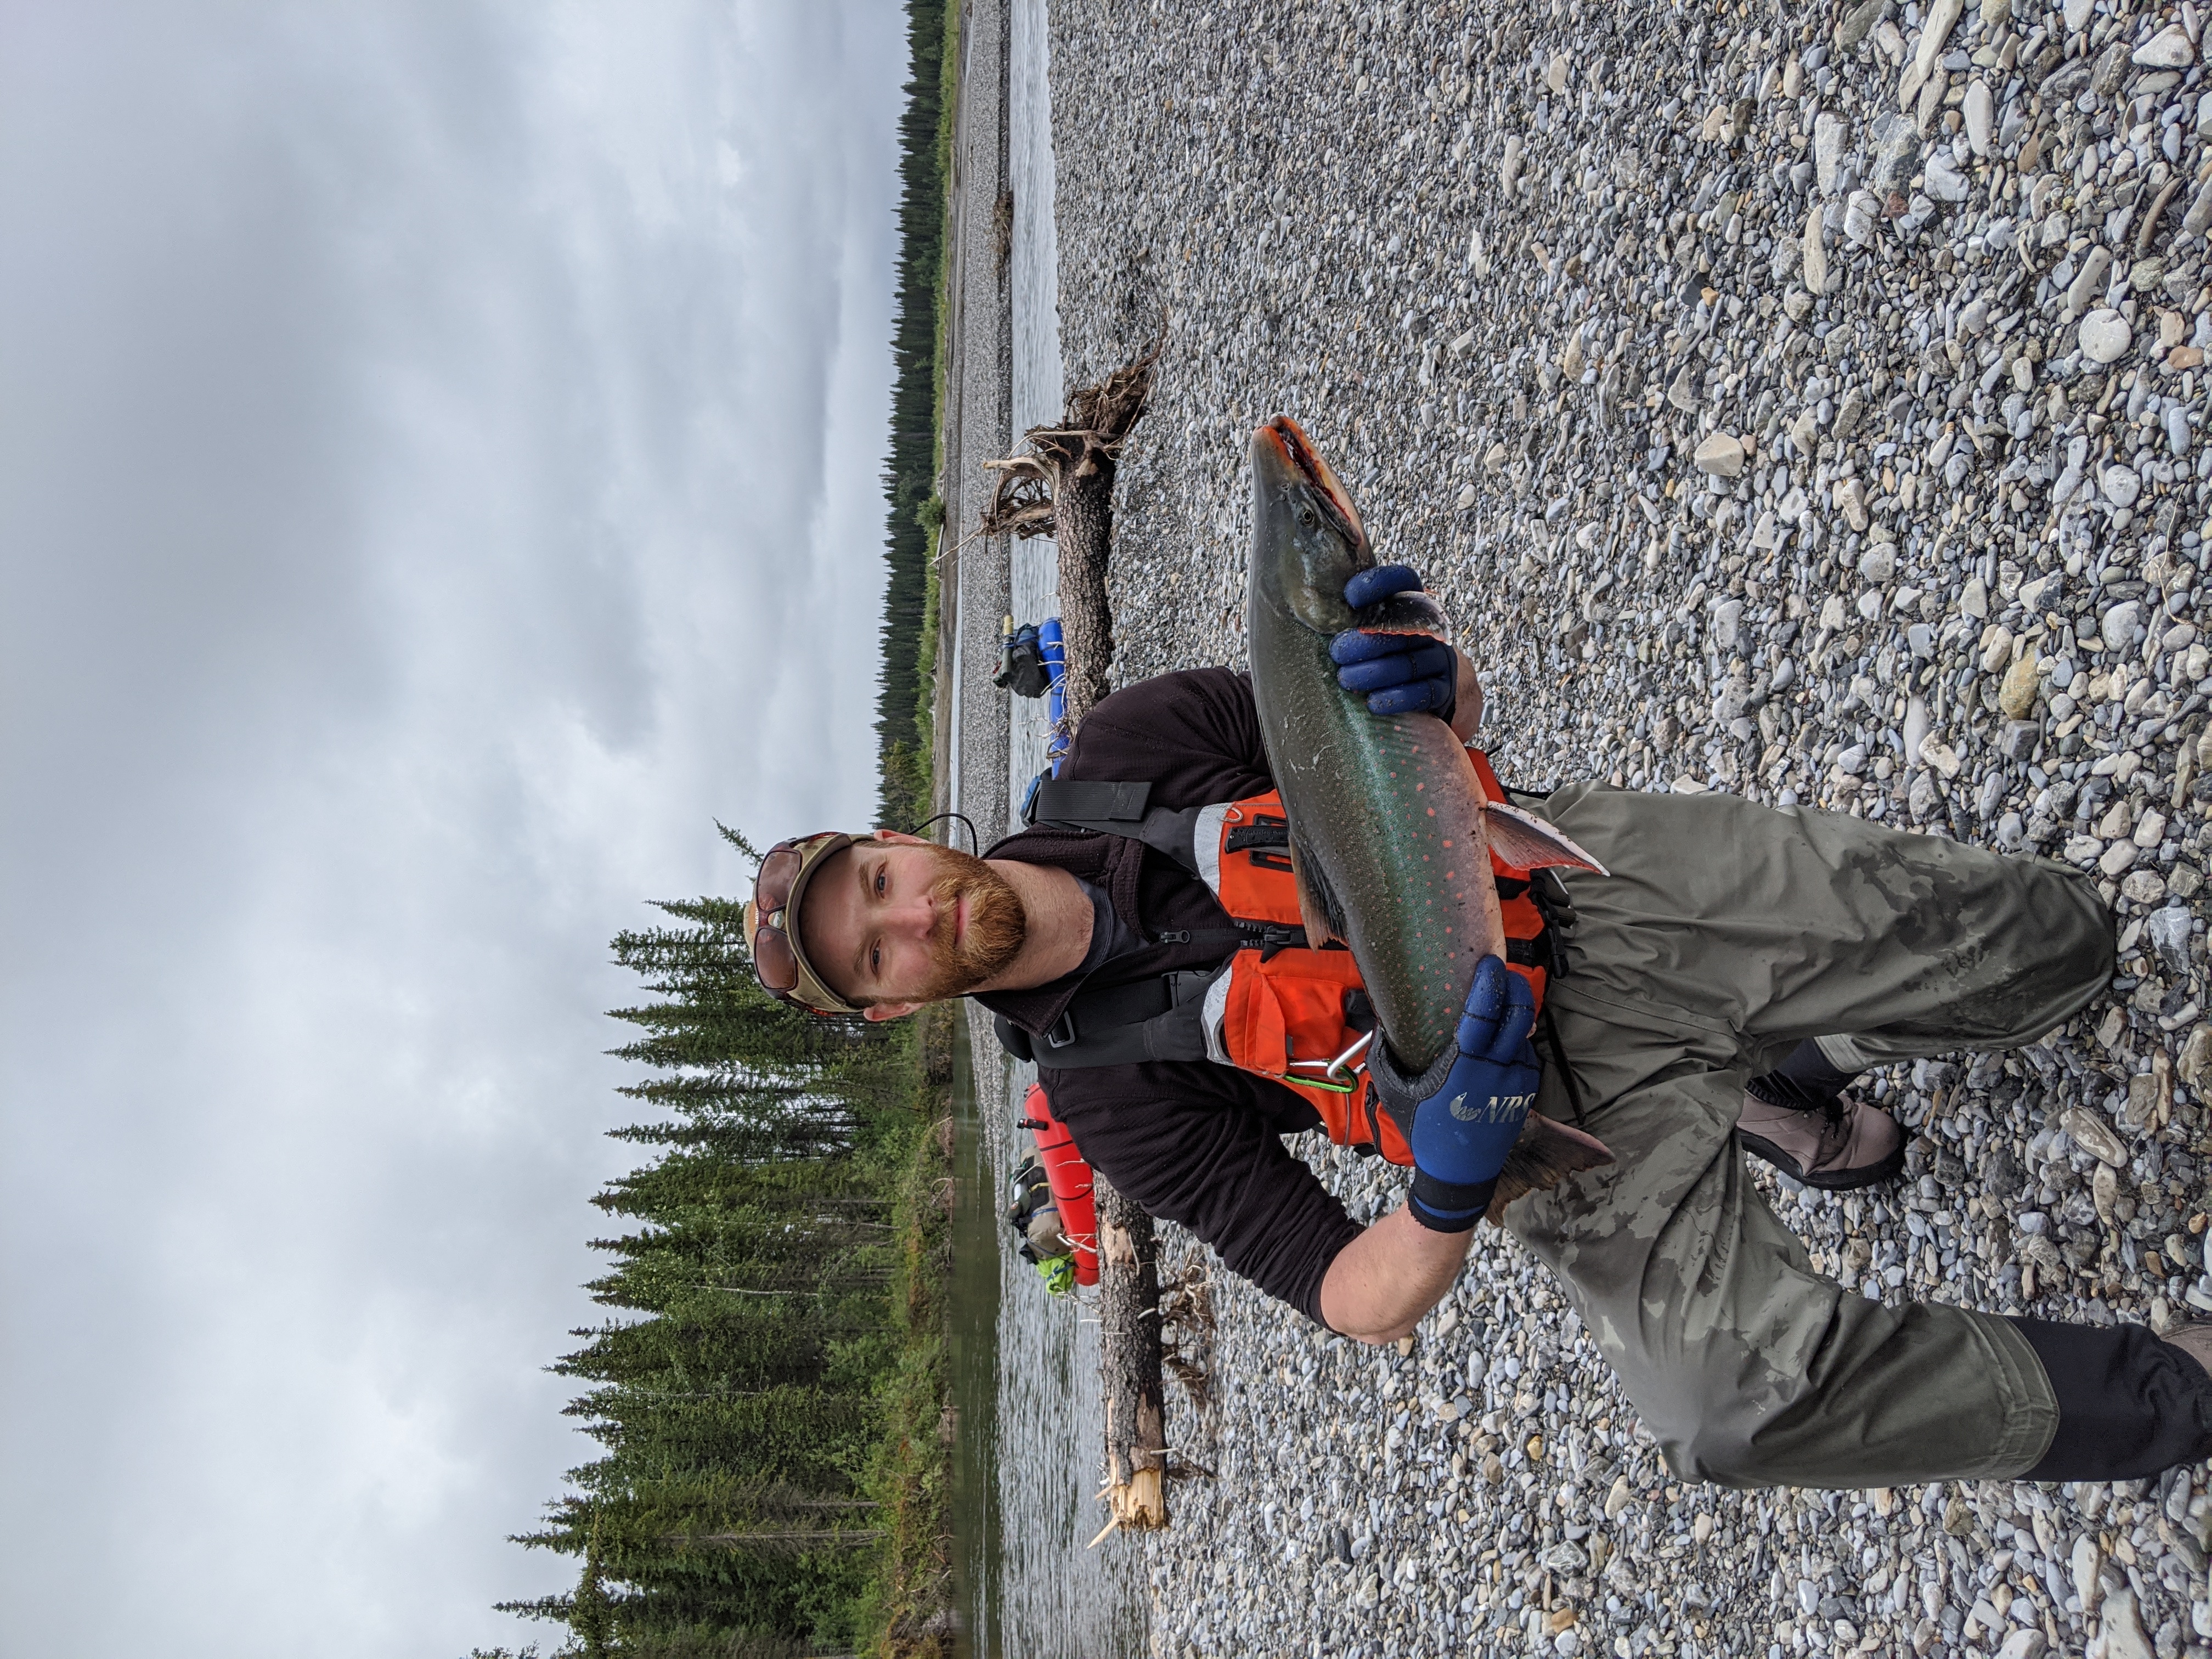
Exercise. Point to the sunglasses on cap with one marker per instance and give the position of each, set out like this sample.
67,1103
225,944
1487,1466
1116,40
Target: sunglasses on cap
772,922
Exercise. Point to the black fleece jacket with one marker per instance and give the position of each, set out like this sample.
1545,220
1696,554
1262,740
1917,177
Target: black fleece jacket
1192,1142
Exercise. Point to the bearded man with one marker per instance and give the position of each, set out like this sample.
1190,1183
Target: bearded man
1713,995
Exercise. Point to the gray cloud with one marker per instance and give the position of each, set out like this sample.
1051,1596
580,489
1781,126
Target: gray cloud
438,476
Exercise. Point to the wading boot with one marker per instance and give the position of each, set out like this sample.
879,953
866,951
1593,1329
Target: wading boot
2195,1339
1842,1144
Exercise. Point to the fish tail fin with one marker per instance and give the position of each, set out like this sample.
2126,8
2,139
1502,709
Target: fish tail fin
1546,1154
1525,841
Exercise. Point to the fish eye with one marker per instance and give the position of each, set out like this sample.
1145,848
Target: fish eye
1306,518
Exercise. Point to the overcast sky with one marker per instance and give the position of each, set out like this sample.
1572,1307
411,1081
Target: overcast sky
439,476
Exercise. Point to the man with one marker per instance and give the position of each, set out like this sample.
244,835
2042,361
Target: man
1721,987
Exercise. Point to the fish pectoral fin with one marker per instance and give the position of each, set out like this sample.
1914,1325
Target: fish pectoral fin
1313,907
1525,841
1546,1154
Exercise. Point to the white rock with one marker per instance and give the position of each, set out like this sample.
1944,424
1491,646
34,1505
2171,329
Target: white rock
1916,725
2169,48
1832,614
1879,562
2118,625
2144,887
1980,108
1941,17
1943,181
2089,1560
1974,598
2121,1628
1863,217
2022,1645
2120,485
1815,267
1870,604
1727,616
1829,137
1720,456
2105,336
2078,13
2119,857
1941,755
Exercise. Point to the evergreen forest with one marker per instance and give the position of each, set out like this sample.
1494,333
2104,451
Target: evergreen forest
767,1390
915,514
766,1387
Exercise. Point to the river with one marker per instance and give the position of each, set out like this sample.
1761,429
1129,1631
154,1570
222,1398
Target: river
1025,1364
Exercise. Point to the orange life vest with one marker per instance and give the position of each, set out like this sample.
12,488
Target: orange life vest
1275,1007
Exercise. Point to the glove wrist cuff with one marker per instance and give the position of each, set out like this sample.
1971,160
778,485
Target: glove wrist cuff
1444,1207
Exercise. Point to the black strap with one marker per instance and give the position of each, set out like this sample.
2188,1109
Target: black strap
1114,1005
1269,833
1075,802
1152,1020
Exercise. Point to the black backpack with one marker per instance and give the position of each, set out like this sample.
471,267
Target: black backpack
1022,668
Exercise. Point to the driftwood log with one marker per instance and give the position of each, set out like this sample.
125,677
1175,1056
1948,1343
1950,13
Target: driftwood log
1130,1363
1062,486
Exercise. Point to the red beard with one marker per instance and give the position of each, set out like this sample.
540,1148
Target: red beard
996,926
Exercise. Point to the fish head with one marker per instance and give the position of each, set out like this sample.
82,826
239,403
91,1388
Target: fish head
1307,539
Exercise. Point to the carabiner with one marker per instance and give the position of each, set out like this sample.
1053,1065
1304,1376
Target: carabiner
1336,1068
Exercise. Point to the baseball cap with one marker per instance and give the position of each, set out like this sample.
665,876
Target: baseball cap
772,921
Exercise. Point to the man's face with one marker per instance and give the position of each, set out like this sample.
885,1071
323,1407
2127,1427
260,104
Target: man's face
895,922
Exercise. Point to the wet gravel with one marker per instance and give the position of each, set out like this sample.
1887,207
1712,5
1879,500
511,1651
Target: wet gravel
1808,404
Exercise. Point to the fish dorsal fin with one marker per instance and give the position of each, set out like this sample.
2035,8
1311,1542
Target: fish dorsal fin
1322,922
1524,841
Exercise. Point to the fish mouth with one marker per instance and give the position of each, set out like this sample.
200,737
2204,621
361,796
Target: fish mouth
1289,439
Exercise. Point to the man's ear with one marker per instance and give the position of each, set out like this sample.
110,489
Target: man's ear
883,1011
901,838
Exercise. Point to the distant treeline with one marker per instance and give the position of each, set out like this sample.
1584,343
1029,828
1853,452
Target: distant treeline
910,474
737,1391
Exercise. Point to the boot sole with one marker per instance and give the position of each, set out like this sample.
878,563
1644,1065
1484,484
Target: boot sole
1838,1180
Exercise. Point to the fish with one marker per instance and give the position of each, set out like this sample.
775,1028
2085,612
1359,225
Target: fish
1390,829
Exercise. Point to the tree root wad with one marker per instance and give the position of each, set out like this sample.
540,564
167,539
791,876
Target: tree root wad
1063,487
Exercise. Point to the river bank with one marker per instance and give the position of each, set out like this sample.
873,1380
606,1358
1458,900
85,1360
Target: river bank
1030,1586
1761,439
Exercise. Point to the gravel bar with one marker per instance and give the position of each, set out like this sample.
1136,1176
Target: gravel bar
1803,403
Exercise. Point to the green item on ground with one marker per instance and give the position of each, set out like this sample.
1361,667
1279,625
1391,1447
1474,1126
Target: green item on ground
1059,1273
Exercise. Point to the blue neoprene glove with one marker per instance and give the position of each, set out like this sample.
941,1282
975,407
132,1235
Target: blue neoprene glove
1400,673
1462,1133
